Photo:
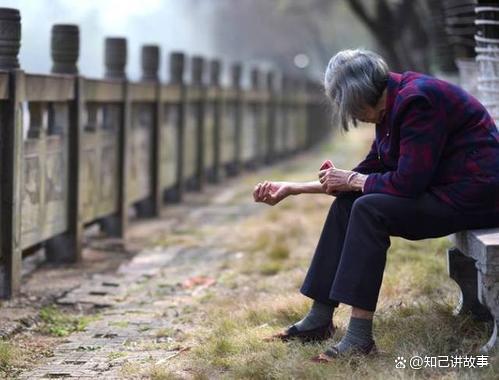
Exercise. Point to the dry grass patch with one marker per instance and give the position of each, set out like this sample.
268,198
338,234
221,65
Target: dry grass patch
22,352
258,296
11,357
232,346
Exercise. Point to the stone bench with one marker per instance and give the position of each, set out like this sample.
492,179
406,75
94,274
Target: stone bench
473,263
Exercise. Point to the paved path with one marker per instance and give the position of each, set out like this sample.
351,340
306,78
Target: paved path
146,305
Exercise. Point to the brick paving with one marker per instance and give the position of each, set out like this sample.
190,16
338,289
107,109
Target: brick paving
142,308
144,305
145,308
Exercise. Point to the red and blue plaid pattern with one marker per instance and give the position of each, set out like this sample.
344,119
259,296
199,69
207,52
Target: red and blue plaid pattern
434,137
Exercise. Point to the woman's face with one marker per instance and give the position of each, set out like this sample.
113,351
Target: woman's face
373,114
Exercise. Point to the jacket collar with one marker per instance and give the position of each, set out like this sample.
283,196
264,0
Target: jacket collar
392,86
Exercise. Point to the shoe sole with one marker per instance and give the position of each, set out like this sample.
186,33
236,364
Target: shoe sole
303,338
324,359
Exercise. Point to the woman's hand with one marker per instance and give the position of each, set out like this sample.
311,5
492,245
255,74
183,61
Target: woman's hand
272,193
328,164
334,180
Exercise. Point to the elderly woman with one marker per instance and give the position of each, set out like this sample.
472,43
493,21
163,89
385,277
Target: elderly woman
432,170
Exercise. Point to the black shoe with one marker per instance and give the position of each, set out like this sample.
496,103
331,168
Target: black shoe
332,353
314,335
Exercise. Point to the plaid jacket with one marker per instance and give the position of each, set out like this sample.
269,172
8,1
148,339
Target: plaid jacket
434,137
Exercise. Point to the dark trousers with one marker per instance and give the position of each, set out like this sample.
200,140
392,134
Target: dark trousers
349,259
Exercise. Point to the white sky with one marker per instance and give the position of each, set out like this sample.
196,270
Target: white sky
173,24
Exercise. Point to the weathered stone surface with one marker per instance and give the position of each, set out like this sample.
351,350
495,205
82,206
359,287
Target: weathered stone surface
115,57
148,301
145,301
483,247
10,38
150,62
65,48
14,319
462,269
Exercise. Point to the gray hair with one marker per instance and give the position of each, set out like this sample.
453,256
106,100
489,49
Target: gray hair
354,79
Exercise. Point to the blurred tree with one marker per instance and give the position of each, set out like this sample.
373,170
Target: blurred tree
442,52
398,26
403,31
256,30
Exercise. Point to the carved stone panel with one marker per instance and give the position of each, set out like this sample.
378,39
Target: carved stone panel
56,185
140,152
262,132
209,136
45,173
31,205
99,178
88,177
169,146
108,175
291,127
278,131
302,126
248,133
227,147
190,141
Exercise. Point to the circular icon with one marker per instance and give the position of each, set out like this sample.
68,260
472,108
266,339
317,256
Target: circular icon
416,362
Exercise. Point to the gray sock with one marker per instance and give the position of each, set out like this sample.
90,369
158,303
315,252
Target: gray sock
319,315
359,335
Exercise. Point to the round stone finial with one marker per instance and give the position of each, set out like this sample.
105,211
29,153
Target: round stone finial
177,64
215,70
115,57
10,38
150,62
197,69
65,48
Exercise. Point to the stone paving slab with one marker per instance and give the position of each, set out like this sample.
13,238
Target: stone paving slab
132,328
143,304
108,290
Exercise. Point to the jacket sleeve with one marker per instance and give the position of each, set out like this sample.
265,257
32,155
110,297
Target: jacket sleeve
423,134
370,164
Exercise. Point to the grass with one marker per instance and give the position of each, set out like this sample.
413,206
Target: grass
409,322
165,332
151,371
116,355
58,323
119,324
10,356
270,268
278,251
258,295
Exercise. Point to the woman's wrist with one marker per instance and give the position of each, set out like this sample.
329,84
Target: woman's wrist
293,188
356,181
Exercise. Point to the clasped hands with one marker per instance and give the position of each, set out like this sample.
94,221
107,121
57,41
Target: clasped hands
334,180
